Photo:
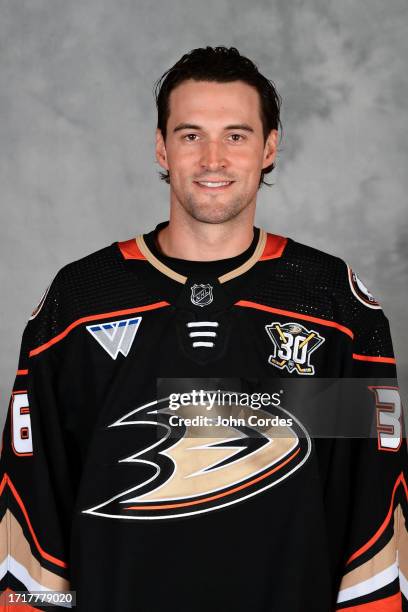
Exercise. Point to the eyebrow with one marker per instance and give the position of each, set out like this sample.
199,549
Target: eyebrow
193,126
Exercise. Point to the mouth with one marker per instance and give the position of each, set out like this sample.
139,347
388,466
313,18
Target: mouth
213,185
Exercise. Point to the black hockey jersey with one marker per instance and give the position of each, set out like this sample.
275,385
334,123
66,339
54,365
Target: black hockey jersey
195,436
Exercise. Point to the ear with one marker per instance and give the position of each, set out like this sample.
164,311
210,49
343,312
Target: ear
270,149
161,154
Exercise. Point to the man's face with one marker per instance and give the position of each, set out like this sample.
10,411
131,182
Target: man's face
214,133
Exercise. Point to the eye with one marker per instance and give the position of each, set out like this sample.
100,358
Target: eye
240,136
187,137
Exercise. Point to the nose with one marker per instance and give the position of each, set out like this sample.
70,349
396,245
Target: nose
213,155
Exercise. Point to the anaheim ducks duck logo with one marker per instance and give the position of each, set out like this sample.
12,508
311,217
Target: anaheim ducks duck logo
193,470
361,292
40,304
293,345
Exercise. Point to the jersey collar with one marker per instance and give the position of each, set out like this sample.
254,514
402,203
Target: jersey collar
269,246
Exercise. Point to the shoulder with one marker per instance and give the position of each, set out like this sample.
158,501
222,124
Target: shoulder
102,263
313,261
99,284
330,286
353,303
332,272
73,278
307,273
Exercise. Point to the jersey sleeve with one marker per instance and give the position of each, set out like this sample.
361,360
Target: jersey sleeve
35,491
374,570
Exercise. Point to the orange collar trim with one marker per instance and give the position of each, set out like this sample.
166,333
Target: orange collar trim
130,250
274,247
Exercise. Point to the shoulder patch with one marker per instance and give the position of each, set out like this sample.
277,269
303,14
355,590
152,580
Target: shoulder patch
41,304
361,292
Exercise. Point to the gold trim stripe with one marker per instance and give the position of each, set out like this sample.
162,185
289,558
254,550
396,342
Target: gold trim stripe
180,278
385,557
249,262
12,537
157,263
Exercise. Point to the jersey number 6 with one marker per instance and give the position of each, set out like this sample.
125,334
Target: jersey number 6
21,424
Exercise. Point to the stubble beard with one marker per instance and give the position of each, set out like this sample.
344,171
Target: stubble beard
214,211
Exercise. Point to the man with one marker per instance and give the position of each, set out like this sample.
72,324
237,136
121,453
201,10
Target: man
128,478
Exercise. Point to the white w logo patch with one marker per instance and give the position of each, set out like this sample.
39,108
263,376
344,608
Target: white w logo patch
116,336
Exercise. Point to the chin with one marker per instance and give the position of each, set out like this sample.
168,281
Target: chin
214,215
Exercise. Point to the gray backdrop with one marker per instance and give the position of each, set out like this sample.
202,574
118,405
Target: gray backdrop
77,121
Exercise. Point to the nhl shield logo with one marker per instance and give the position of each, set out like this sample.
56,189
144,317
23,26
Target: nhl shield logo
293,346
201,295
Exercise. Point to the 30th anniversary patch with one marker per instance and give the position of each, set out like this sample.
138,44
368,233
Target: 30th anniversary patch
293,346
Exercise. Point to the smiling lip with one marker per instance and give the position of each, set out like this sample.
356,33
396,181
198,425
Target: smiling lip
216,185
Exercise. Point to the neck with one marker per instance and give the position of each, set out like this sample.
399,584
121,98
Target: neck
186,238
